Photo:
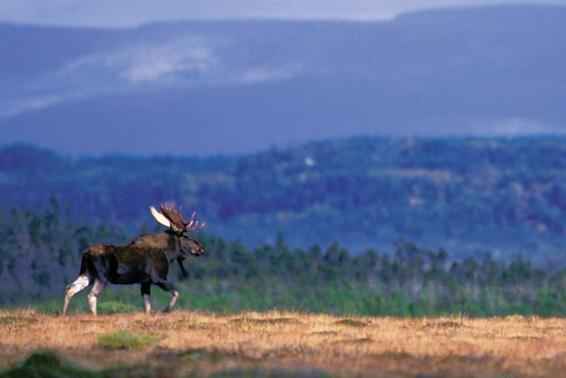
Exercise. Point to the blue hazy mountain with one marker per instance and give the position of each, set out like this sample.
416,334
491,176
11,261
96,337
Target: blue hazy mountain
239,86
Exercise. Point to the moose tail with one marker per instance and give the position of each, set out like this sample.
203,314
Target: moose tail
84,268
87,267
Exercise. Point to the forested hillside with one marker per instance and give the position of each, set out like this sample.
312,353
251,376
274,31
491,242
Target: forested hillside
40,253
468,195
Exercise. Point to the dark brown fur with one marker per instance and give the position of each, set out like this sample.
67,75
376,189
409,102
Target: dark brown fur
144,261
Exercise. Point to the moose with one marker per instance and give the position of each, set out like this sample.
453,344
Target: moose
144,261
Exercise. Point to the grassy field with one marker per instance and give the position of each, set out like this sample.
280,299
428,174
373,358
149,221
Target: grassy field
278,344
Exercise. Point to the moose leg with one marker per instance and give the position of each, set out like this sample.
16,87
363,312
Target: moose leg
93,295
168,287
146,292
73,288
180,262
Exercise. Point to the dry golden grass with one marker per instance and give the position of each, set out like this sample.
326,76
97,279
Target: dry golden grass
360,346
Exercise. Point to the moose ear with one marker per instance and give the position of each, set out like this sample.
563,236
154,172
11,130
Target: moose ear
160,218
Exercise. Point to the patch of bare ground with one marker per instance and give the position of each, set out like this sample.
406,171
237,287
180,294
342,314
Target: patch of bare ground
204,344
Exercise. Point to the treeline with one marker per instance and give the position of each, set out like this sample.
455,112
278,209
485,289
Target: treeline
466,195
40,253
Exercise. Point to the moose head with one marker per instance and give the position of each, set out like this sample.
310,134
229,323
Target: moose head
173,220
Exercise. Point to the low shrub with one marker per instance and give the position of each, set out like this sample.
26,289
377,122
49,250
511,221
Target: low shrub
127,340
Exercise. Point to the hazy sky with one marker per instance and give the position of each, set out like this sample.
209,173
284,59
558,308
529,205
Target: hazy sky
119,13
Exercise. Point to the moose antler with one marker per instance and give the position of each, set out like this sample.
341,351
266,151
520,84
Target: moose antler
160,218
177,222
172,218
194,225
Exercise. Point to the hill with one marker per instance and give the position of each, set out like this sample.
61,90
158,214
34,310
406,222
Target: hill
214,87
468,195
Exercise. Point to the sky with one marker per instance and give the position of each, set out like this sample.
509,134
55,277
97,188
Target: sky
128,13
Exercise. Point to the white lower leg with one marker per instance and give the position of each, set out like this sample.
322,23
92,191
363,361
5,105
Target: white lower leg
146,304
92,300
174,296
76,286
93,295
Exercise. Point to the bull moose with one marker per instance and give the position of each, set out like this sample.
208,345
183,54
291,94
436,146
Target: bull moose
144,261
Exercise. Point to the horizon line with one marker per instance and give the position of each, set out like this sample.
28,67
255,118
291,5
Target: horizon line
274,18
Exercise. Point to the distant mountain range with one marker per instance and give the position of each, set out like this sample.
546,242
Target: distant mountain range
224,87
467,195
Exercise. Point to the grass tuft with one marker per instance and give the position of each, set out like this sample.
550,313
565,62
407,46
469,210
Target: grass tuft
394,356
47,364
267,320
277,373
127,340
351,323
443,324
193,354
116,307
16,320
